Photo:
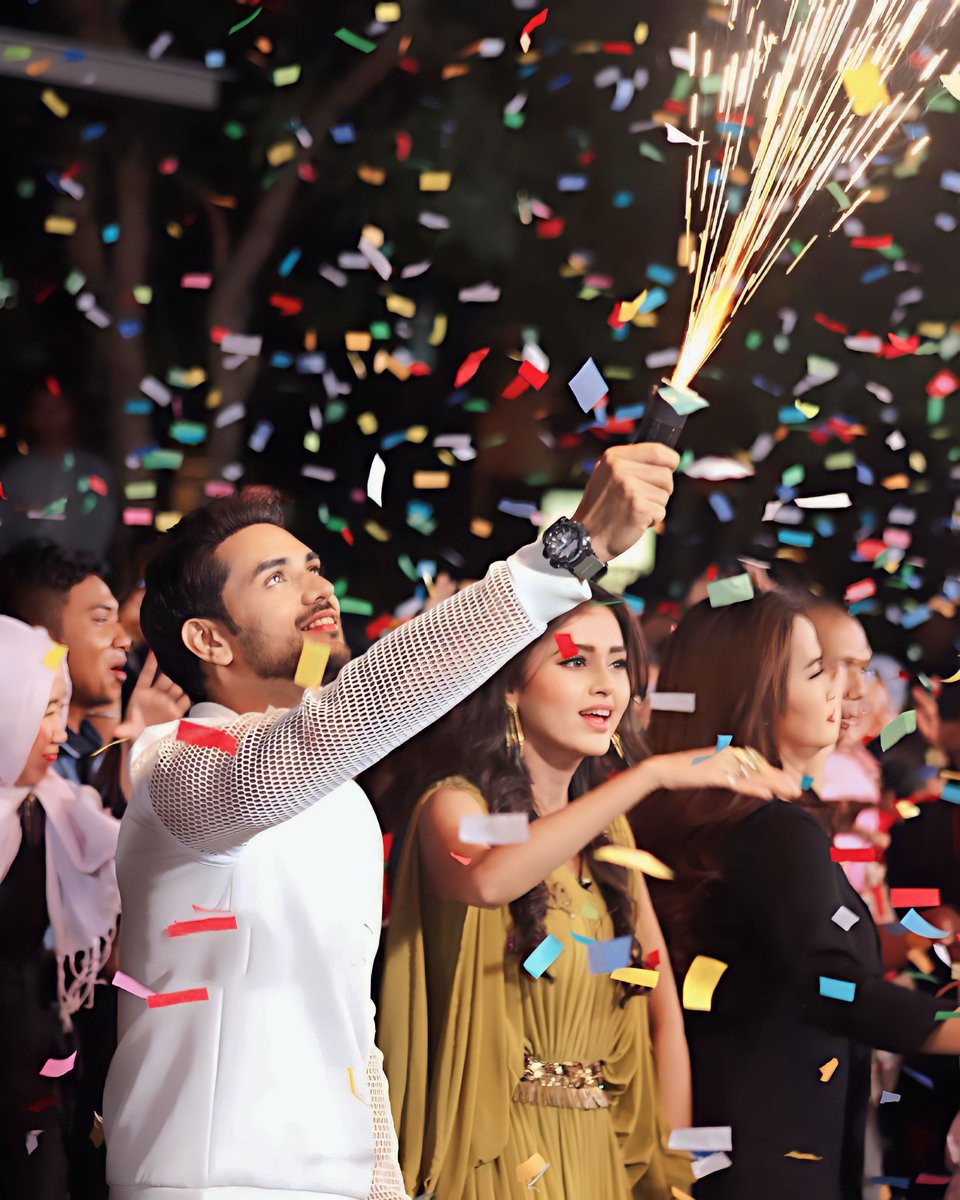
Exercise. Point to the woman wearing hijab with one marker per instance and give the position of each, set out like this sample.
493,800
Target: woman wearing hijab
780,1049
57,849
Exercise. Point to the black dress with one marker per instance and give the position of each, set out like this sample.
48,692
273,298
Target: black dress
757,1054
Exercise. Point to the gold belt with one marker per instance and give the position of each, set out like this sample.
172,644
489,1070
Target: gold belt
561,1084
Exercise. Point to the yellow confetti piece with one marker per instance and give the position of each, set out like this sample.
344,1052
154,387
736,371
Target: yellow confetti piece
932,329
638,976
284,76
921,960
143,294
58,107
377,532
439,330
804,1156
954,678
357,363
865,89
368,423
630,308
917,461
827,1070
677,1194
635,860
281,152
809,410
384,361
685,248
62,225
480,527
431,480
165,521
530,1170
214,396
907,809
434,181
372,175
174,229
374,235
641,33
358,341
387,13
54,656
402,306
312,664
103,749
417,434
353,1085
700,982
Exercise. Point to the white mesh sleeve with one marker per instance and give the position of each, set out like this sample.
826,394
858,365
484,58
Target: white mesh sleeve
286,761
387,1181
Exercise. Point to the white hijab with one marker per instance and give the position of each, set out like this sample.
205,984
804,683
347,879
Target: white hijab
83,900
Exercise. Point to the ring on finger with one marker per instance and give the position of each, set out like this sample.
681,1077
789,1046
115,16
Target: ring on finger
731,779
744,759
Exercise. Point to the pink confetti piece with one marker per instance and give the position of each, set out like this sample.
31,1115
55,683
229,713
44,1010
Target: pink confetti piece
206,925
55,1068
128,984
168,999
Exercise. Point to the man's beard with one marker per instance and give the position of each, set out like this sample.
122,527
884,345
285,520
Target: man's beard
269,662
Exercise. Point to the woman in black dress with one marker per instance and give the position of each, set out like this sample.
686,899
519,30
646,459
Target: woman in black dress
781,1062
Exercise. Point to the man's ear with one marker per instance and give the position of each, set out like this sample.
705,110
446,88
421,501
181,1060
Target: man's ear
205,639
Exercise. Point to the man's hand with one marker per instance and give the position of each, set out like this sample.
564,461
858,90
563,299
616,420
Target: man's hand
626,494
155,700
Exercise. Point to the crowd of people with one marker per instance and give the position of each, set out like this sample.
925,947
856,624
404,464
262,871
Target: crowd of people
643,934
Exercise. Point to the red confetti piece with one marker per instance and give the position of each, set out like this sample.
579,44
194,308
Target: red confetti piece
872,243
827,323
530,26
899,346
207,925
550,229
566,645
53,386
3,494
943,384
914,897
533,375
98,485
403,142
470,365
861,590
202,735
516,387
288,305
616,48
464,862
169,999
839,854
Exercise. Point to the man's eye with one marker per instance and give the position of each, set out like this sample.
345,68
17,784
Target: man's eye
276,576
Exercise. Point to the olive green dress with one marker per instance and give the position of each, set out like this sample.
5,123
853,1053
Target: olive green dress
458,1015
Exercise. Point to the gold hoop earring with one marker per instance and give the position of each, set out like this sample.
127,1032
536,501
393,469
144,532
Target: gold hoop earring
616,741
513,738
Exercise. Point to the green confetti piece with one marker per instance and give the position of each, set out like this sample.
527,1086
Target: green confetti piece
793,476
649,151
729,591
336,410
934,410
163,460
898,728
89,503
16,53
682,400
234,130
477,405
843,460
620,372
711,85
380,331
141,489
841,197
284,76
753,340
893,252
946,1016
143,294
408,567
188,433
357,608
74,282
311,441
514,120
681,86
355,40
942,102
245,22
26,188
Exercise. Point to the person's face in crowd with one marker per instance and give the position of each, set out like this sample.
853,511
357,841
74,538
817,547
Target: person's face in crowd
49,420
570,705
130,614
845,649
277,597
811,720
97,644
51,736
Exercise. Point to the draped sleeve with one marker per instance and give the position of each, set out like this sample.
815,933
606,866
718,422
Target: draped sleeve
450,1026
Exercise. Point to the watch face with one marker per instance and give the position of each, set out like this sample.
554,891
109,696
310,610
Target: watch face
563,541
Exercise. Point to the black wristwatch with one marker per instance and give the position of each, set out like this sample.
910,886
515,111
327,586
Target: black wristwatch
567,544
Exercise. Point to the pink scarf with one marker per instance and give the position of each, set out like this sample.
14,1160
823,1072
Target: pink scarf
83,900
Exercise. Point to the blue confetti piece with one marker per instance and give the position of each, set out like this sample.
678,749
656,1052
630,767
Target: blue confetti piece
864,606
731,127
806,782
824,525
795,537
633,412
138,408
916,616
90,133
864,475
392,440
654,299
721,506
622,199
571,183
765,385
584,941
723,741
558,82
902,1182
791,416
517,508
281,359
610,955
924,1080
343,135
950,181
546,953
110,234
921,927
951,792
260,436
658,273
129,329
875,273
837,989
588,386
214,59
73,56
636,604
290,260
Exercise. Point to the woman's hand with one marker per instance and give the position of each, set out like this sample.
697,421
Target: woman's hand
735,769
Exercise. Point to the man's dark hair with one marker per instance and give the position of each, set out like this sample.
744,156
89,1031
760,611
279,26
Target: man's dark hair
37,576
185,579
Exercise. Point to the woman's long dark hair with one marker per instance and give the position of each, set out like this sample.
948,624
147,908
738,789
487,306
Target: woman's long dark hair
736,660
471,741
